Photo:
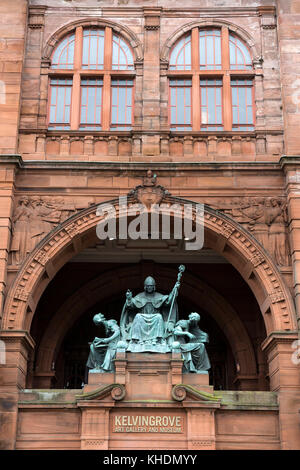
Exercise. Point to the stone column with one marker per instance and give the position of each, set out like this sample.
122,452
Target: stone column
201,433
289,50
12,38
269,111
285,380
33,95
94,426
15,345
7,183
151,82
18,346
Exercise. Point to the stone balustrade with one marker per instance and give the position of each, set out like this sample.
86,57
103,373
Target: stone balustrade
121,145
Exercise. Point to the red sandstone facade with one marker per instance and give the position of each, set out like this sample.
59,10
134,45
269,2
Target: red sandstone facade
55,274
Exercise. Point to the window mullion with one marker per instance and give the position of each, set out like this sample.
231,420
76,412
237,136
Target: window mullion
106,102
227,99
196,102
107,79
225,48
78,48
107,48
195,48
227,102
75,107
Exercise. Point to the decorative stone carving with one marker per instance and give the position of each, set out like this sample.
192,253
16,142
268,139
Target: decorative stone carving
191,342
149,192
22,295
41,258
116,390
227,230
33,219
181,391
148,319
256,259
267,219
283,314
276,297
103,350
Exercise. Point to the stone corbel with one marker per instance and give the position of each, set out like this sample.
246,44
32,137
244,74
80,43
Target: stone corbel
36,19
268,17
117,392
181,391
152,18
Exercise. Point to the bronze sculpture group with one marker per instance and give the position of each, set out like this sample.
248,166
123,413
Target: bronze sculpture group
149,323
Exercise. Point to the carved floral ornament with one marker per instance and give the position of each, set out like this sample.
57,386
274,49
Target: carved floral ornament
241,241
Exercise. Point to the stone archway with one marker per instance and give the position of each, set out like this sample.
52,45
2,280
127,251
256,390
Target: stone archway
222,234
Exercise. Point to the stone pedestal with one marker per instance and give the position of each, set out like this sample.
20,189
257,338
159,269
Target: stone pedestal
148,404
148,376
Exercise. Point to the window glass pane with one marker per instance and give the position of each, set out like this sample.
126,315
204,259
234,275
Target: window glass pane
91,103
210,49
235,115
202,51
60,103
218,96
240,58
93,49
180,57
211,104
180,104
242,105
122,58
121,114
63,56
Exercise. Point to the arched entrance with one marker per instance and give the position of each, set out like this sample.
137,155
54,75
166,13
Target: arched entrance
222,235
70,328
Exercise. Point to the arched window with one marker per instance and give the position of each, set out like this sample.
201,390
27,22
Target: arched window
63,56
180,58
91,82
211,82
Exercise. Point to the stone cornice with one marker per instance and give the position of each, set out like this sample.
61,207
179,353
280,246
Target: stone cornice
16,335
171,166
289,160
278,337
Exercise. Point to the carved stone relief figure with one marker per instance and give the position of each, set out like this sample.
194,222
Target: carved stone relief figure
33,219
278,241
20,233
266,218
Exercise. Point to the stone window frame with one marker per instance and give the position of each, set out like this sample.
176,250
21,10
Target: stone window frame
256,74
47,73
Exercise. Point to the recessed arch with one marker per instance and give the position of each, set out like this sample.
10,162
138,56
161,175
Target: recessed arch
85,298
223,234
124,32
233,28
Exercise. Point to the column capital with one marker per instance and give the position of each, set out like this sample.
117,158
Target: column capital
21,336
278,337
